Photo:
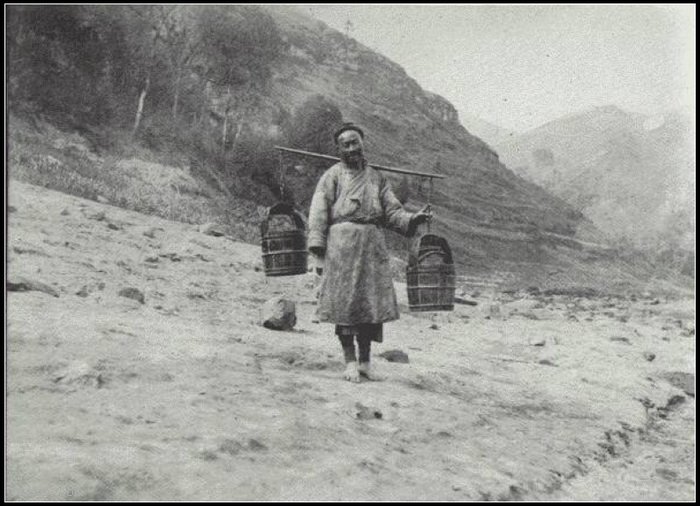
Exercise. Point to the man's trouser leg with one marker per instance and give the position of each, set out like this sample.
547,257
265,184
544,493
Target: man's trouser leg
364,345
348,344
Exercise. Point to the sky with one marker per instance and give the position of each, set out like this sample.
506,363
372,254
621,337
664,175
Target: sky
519,66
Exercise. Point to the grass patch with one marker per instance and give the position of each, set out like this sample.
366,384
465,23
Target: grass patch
45,156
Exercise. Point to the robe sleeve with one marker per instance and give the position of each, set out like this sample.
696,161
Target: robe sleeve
320,213
397,218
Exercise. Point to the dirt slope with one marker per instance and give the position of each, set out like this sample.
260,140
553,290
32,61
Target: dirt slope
186,397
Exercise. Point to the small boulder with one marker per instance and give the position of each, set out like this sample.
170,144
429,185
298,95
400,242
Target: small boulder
11,209
683,380
102,200
688,329
65,212
79,373
363,412
256,445
620,339
21,284
395,356
151,232
649,356
98,216
466,302
211,229
132,293
279,314
231,447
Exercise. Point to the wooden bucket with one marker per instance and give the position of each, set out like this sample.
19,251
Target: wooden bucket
430,275
284,251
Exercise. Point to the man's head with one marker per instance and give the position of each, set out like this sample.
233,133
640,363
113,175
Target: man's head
349,139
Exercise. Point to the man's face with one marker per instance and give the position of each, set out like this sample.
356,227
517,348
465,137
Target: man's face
350,147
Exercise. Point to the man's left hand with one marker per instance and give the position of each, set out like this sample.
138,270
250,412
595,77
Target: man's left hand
422,216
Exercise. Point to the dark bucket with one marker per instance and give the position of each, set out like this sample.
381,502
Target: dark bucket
284,251
430,275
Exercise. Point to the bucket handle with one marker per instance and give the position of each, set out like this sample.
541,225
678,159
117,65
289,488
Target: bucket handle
415,257
433,252
436,241
285,209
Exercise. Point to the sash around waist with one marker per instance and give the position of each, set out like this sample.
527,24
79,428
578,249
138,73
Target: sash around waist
359,221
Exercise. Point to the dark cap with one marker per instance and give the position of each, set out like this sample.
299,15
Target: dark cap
344,128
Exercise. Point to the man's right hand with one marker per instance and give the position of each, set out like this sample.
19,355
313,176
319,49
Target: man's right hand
318,251
319,254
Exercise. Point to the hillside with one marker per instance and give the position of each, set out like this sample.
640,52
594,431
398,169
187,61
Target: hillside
137,369
171,85
632,175
491,216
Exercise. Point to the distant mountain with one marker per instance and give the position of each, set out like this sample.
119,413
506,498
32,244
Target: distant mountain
632,175
486,131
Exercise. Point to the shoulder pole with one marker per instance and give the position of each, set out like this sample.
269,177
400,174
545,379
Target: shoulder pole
378,167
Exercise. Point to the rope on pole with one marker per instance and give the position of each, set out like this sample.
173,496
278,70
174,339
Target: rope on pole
430,206
281,159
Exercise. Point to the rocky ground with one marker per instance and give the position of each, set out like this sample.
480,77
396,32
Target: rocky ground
137,369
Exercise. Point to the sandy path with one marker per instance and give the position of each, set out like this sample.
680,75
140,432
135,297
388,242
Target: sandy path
187,397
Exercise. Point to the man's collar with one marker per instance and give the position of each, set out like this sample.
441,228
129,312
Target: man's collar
364,164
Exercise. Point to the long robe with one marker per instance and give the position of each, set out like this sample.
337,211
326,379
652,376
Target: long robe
348,209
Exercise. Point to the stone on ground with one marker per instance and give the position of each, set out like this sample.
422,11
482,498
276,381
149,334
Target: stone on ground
279,314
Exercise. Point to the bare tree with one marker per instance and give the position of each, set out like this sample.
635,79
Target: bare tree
182,45
144,20
241,42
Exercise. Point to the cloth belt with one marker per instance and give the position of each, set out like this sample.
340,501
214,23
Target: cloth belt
360,221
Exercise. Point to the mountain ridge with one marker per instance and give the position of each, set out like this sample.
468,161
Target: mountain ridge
489,132
632,174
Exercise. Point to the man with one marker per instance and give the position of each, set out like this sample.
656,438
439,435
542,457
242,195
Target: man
351,202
